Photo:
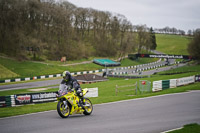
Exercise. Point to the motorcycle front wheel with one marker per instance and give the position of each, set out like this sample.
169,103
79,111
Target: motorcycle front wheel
88,107
63,110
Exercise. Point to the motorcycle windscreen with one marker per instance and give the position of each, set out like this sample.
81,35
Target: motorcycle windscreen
62,89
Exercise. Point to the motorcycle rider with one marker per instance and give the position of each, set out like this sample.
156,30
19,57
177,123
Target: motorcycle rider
71,82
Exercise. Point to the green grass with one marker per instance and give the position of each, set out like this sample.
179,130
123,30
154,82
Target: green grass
185,69
30,69
6,72
128,62
172,44
190,128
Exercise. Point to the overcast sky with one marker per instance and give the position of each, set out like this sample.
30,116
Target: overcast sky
181,14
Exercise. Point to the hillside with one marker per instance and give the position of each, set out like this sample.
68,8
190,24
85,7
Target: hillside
172,44
41,30
166,43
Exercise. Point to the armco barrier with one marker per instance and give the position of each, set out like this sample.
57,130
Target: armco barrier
157,86
172,83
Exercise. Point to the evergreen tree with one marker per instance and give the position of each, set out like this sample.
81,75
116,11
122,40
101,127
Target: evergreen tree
194,46
153,39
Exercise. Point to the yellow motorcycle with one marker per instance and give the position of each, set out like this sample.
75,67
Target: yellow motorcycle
68,103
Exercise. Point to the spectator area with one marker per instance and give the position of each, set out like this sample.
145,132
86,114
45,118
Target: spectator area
106,62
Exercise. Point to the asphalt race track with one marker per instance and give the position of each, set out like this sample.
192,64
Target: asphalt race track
146,115
30,84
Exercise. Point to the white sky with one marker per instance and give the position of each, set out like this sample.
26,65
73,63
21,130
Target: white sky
181,14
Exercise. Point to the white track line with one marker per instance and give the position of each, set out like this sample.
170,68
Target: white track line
172,130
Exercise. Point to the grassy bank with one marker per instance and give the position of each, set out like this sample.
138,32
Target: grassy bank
172,44
30,69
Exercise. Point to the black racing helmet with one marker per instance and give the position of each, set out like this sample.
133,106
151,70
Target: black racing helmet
66,75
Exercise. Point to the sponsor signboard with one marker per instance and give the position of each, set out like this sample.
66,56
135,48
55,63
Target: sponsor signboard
22,99
43,97
197,78
35,98
185,80
169,56
93,92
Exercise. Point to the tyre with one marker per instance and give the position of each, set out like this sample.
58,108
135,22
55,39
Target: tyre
88,107
62,110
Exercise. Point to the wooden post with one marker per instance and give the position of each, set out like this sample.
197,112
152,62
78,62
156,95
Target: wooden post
136,88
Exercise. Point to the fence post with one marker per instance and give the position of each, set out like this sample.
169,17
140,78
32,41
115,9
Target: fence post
136,88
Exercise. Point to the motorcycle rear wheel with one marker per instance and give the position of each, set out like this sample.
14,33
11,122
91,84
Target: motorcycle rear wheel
62,110
88,107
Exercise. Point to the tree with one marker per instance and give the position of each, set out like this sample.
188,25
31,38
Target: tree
125,42
194,46
153,39
143,38
58,28
189,32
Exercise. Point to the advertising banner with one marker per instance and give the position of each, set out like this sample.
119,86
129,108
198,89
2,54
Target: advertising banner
93,92
197,78
22,99
169,56
43,97
35,98
185,80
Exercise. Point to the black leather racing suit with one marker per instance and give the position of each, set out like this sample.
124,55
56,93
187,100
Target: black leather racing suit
73,83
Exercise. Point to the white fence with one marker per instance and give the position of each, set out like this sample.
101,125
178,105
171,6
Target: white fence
173,83
185,80
157,86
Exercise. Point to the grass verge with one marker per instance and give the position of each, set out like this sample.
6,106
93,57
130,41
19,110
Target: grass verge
190,128
172,44
6,72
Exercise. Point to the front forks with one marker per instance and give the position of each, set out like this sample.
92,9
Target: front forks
65,103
